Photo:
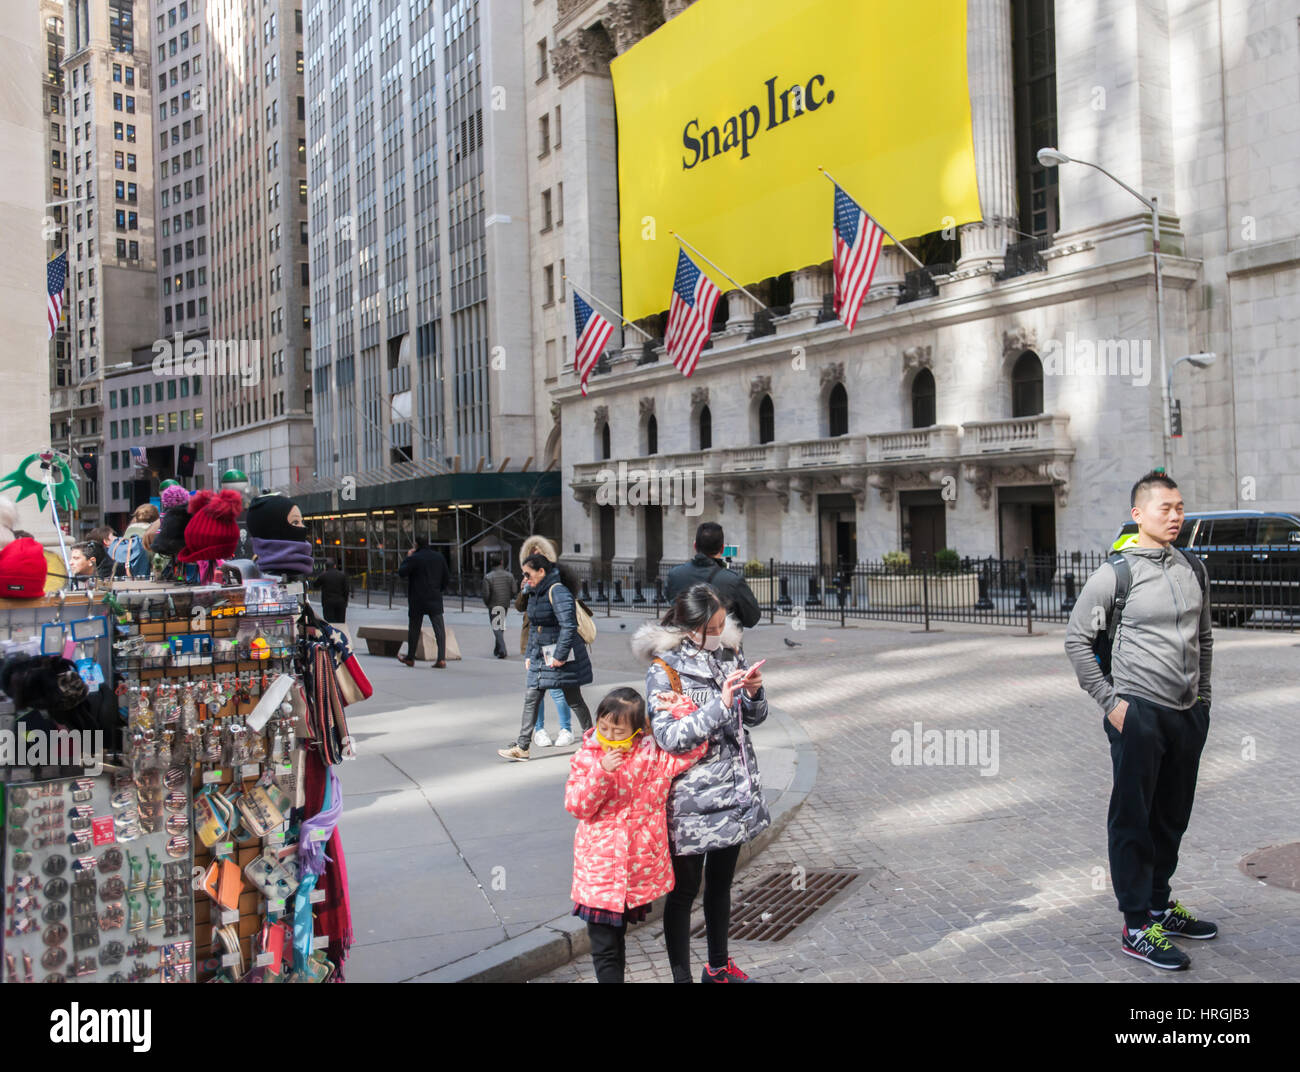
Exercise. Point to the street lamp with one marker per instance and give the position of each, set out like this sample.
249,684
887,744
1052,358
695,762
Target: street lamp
72,458
1204,360
1049,157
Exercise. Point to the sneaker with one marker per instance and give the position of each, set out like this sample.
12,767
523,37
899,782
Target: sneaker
1177,922
513,752
541,738
563,739
1152,945
729,974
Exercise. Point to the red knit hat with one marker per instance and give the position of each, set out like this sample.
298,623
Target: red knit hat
22,569
212,532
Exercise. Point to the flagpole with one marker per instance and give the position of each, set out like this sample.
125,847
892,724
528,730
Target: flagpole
877,222
607,309
712,265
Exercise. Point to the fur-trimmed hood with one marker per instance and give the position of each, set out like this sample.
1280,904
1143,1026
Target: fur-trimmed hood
540,544
653,640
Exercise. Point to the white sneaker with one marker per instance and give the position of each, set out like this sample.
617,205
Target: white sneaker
541,738
564,739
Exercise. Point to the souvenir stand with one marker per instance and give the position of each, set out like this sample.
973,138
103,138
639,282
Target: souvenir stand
205,847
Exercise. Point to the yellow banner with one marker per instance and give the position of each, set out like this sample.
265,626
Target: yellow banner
726,111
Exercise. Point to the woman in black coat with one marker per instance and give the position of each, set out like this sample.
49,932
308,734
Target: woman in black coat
552,620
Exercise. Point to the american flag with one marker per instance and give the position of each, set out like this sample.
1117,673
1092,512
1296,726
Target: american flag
56,275
857,249
592,331
690,315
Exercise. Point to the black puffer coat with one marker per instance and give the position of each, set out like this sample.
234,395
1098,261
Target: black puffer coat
170,540
552,620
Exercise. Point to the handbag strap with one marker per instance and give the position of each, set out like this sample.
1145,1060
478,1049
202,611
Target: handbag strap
674,678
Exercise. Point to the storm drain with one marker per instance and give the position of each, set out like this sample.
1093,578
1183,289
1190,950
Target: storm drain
780,901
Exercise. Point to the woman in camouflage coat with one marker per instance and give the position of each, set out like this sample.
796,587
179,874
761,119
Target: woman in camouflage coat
717,805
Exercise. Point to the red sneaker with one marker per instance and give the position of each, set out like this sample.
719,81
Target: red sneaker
729,974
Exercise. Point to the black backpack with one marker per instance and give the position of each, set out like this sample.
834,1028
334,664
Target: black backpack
1104,641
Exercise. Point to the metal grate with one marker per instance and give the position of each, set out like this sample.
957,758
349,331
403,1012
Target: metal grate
780,901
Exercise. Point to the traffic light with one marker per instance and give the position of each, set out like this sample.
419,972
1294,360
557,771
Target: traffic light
186,454
89,462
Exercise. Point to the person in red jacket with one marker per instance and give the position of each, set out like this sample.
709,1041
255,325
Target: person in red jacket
618,787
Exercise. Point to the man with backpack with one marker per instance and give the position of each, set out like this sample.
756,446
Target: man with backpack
1140,642
708,567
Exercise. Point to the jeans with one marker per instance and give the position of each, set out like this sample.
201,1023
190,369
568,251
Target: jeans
414,620
533,701
562,708
1155,760
717,868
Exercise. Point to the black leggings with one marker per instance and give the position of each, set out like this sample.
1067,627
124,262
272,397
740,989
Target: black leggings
608,951
717,869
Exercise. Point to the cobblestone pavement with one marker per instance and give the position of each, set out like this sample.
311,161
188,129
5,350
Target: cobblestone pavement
1003,876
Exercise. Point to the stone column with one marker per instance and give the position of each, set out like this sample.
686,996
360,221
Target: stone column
740,311
992,104
809,286
890,269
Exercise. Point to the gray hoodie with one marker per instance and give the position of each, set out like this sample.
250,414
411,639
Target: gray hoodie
1163,644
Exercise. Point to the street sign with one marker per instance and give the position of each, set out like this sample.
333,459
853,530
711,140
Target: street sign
729,551
1175,419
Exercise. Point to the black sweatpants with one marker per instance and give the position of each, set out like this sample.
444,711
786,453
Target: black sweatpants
608,951
414,620
717,868
1155,761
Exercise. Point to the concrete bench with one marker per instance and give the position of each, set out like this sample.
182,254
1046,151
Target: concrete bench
389,640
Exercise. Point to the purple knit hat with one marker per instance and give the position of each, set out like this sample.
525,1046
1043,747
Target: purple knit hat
174,496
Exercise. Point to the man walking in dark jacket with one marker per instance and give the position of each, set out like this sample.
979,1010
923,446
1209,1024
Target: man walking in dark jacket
426,576
707,567
333,585
499,590
1155,711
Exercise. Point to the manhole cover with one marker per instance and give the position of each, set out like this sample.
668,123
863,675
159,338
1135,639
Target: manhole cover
780,901
1276,865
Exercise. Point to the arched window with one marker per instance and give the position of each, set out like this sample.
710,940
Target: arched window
652,435
838,406
766,420
923,399
706,428
604,441
1027,386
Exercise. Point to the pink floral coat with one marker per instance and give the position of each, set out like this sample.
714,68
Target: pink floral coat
620,851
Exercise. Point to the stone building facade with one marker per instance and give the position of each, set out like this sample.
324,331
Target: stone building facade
1001,401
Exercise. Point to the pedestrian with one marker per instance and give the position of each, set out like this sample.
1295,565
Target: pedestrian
334,592
618,785
708,567
556,656
101,537
83,562
141,520
499,590
717,805
1155,707
563,712
427,577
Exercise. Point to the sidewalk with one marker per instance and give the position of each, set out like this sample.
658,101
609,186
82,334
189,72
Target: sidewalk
459,863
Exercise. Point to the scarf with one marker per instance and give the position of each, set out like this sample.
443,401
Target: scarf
334,914
283,556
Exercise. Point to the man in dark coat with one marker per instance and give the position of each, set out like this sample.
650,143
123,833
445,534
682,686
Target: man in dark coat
427,577
333,585
499,588
707,567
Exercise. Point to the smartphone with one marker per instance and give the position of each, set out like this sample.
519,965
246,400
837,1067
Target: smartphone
749,673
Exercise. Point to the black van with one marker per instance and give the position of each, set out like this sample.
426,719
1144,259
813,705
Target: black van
1253,557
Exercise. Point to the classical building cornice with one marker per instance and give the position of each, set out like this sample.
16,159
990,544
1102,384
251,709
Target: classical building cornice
582,52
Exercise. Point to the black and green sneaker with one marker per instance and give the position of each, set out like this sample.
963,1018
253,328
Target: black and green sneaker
1177,922
1153,945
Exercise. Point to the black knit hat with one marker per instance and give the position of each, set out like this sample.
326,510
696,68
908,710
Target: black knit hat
268,519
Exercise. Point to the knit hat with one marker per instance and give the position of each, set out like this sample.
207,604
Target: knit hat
22,569
212,532
175,495
268,519
8,520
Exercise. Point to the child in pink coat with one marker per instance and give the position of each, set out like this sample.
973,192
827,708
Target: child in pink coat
618,787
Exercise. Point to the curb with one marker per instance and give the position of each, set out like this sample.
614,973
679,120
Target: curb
558,941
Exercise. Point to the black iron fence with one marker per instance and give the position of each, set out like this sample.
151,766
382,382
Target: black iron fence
990,591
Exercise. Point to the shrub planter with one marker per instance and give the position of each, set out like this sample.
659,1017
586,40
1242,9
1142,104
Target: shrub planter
906,590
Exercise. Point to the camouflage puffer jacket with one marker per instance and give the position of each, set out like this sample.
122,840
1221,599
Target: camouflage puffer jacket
719,801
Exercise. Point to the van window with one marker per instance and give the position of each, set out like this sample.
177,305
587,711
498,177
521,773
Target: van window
1184,536
1278,531
1231,531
